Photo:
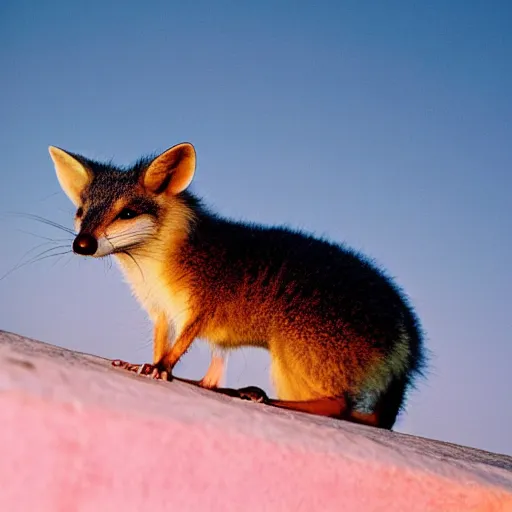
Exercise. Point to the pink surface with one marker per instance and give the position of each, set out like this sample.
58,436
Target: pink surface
79,435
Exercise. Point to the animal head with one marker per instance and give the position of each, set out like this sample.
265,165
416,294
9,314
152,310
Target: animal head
122,210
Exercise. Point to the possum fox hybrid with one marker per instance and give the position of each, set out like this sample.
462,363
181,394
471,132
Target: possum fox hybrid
343,340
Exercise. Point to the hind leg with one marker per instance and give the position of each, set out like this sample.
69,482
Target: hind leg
297,391
216,371
382,413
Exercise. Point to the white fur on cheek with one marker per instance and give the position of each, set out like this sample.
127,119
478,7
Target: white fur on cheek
125,234
104,248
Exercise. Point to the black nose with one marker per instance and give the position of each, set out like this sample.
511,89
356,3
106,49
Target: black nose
85,244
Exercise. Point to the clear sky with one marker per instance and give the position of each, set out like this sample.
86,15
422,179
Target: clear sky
386,125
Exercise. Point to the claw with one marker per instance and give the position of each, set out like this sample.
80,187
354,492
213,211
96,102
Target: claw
142,369
118,363
254,394
156,373
139,369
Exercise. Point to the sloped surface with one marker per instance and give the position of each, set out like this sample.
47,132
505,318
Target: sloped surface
77,434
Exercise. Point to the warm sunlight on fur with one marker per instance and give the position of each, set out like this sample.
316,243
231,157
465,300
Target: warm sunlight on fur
73,176
175,168
342,339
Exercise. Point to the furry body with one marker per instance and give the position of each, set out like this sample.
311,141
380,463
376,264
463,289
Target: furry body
333,323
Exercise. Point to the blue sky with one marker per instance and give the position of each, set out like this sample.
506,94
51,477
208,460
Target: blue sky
384,125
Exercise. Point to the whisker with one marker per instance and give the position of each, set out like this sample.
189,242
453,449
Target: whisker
141,251
125,240
68,260
107,263
46,251
50,256
43,221
128,233
38,246
135,261
53,194
58,259
138,241
121,233
42,256
56,240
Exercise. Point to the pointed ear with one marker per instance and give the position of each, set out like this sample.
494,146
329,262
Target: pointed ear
72,175
172,171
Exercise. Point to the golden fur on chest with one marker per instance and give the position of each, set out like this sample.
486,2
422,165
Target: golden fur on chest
156,290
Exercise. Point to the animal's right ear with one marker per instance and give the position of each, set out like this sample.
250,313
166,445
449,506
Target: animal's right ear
73,176
172,171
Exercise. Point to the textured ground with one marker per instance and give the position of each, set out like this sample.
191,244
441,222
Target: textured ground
79,435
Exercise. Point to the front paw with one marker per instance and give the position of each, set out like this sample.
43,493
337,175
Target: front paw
154,371
254,394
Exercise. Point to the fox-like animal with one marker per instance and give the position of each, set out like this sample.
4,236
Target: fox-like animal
343,339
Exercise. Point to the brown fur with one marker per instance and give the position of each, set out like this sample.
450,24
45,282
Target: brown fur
338,332
301,349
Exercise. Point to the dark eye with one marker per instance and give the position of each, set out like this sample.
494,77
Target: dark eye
127,213
80,212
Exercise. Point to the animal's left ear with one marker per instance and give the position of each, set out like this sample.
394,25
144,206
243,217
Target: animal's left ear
172,171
